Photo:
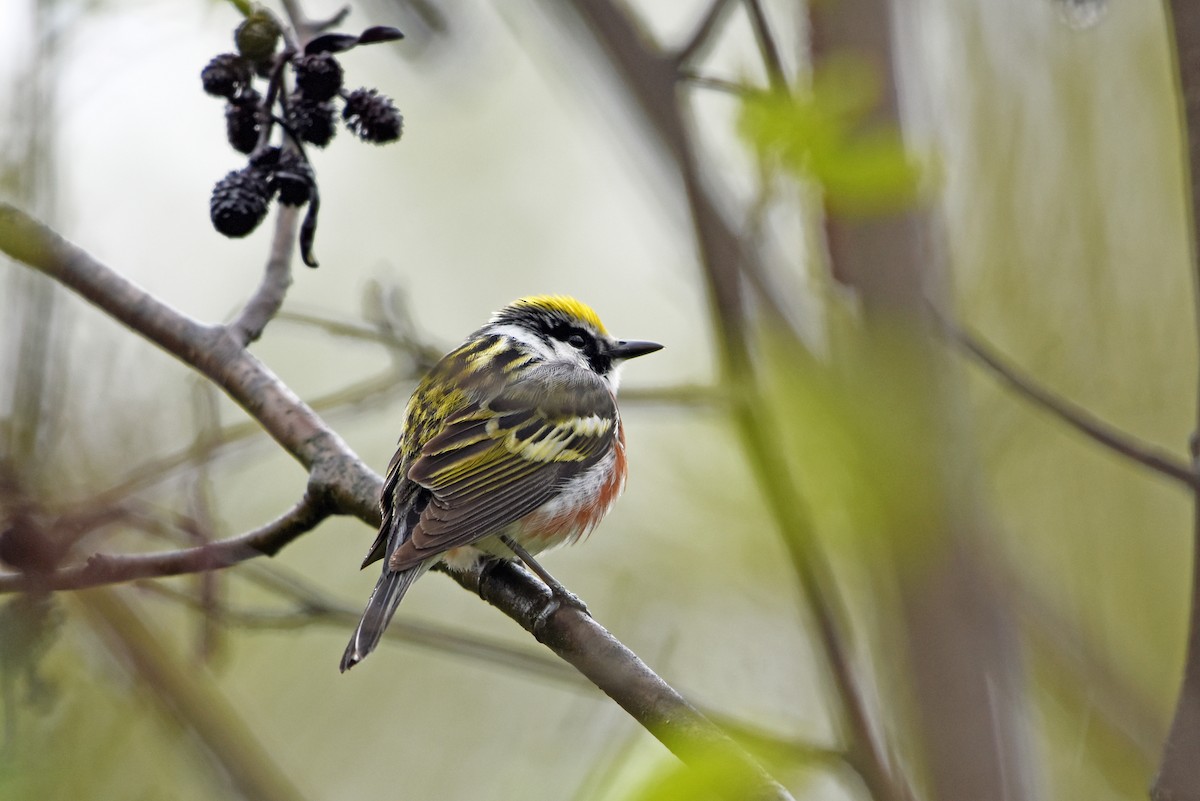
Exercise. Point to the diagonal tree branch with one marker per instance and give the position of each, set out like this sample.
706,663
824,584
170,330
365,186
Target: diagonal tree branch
703,34
102,569
333,466
344,485
767,45
266,301
578,639
1073,415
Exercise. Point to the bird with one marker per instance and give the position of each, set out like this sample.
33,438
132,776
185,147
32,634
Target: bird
512,444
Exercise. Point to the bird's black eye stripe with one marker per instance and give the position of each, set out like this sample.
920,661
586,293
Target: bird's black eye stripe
585,342
574,336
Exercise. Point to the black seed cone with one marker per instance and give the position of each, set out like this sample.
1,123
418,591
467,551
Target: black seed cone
239,202
226,75
310,120
267,159
241,121
372,116
319,76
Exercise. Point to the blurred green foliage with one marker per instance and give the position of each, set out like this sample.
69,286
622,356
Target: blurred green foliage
826,134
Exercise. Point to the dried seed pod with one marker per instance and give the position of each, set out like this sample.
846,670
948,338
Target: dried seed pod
226,75
318,76
372,116
310,120
242,126
239,202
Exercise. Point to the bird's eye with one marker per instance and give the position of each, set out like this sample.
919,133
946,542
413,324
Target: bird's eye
576,341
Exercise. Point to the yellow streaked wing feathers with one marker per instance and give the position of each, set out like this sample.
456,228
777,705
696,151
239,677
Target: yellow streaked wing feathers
498,460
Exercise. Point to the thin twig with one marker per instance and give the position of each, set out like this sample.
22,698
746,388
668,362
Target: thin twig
316,609
423,354
719,84
311,605
376,389
307,28
209,350
767,46
1073,415
703,33
102,569
201,526
266,301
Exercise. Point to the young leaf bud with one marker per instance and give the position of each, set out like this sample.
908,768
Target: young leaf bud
257,36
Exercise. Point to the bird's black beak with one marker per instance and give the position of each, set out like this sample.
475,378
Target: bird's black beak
632,348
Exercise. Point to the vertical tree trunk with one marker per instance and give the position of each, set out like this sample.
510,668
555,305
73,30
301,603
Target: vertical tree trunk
1178,776
961,649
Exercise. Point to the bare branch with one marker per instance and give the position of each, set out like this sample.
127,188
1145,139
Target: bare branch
580,640
703,33
718,84
423,354
375,389
101,569
1073,415
340,483
208,349
307,28
311,605
266,301
767,46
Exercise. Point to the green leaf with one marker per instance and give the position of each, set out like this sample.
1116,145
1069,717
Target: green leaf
826,135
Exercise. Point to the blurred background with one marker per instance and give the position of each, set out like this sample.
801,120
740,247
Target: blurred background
1048,137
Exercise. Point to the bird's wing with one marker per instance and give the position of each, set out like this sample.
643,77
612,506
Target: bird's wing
499,459
399,497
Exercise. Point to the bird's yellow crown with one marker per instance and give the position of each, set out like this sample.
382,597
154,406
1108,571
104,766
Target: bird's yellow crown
563,305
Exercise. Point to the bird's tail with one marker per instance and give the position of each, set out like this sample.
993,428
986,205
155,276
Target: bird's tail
386,596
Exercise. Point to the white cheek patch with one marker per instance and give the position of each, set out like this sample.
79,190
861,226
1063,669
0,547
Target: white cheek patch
564,352
613,378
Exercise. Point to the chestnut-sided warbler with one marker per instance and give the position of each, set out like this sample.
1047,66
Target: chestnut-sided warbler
512,444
